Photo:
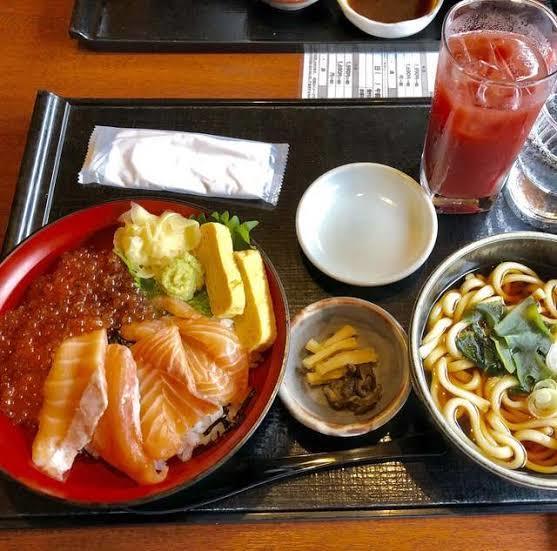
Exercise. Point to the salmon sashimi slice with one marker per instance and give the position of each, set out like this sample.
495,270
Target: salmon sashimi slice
176,307
239,375
140,329
163,350
206,378
220,342
223,346
173,418
75,398
118,439
211,381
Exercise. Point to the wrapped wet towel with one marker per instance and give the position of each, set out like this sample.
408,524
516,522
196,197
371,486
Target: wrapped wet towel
184,162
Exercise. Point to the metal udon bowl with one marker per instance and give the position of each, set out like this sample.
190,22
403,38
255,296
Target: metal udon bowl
537,250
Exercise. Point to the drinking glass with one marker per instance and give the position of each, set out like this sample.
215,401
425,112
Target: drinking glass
532,185
497,66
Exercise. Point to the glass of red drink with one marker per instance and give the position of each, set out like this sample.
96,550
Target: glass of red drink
497,66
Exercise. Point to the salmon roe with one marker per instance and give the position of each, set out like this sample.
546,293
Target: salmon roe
89,289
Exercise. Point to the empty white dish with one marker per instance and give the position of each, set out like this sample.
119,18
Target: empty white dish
366,224
389,30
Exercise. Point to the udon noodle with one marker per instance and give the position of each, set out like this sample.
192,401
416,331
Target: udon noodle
488,409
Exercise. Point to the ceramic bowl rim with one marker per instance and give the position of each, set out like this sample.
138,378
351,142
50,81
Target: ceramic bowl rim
407,181
76,215
290,6
382,417
418,375
345,6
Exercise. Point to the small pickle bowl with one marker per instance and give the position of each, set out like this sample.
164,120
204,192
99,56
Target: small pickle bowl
536,250
376,328
366,224
389,30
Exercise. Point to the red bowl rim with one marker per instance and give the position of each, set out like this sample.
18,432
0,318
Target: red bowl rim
206,472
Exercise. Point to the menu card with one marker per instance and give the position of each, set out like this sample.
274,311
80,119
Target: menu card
334,71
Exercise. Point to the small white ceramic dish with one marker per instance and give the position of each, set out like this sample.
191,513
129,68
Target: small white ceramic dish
389,30
366,224
292,5
377,328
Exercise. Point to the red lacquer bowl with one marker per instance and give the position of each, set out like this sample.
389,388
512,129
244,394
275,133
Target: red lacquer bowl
92,482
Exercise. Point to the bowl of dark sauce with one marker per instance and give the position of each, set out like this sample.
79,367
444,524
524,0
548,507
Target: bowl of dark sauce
390,18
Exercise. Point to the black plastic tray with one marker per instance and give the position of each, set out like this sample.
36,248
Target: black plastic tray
322,135
221,25
217,25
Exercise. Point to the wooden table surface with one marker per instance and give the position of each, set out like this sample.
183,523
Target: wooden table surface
36,53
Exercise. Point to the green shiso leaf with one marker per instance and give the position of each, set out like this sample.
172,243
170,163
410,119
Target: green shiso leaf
240,231
200,302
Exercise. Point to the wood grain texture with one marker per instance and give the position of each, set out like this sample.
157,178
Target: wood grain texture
37,53
473,533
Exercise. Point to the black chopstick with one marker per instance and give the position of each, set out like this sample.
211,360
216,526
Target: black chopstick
258,472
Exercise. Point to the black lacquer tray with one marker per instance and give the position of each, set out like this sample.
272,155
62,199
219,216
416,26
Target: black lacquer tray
221,25
322,135
217,25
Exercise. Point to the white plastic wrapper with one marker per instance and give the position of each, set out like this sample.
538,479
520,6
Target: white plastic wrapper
184,162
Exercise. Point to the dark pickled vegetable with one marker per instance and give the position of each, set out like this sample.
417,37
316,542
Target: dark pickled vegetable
357,391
